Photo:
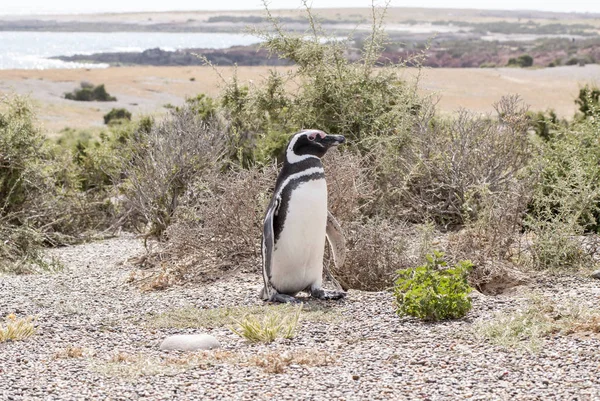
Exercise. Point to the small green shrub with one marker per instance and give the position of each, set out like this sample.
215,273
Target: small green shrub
543,123
203,105
90,94
522,61
432,291
589,100
116,115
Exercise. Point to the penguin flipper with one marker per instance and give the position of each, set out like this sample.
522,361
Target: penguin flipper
268,243
337,244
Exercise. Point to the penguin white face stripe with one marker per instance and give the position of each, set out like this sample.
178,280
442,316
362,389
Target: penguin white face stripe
308,171
292,157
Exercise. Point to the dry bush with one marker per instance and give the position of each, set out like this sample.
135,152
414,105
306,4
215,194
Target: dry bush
469,172
164,162
493,242
377,248
217,225
450,165
350,188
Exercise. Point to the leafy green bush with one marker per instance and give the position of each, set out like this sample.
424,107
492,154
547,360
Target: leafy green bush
544,123
523,61
38,199
360,99
589,100
117,114
21,149
432,291
566,201
203,105
89,94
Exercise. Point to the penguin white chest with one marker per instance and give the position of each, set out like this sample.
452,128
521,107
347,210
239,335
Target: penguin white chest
298,254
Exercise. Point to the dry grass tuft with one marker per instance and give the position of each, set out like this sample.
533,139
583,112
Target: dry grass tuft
132,366
276,362
274,324
69,352
526,328
16,329
192,317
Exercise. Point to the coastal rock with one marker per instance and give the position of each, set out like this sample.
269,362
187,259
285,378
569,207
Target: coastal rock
190,342
236,55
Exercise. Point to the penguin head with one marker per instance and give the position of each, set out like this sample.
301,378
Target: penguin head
312,143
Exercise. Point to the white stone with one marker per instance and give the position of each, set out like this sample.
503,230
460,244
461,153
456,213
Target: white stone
189,342
596,274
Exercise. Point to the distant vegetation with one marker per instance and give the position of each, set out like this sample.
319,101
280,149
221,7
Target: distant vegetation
117,115
256,19
529,27
448,53
522,61
90,93
456,53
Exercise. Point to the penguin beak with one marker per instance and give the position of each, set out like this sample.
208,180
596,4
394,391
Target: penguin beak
333,140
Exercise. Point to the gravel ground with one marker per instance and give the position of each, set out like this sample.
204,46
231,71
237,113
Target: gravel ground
373,353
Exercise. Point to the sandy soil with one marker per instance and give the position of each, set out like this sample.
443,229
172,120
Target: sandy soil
146,90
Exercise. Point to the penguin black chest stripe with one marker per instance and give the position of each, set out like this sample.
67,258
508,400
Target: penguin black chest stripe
285,194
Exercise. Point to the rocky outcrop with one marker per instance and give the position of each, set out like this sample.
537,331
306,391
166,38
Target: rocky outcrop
240,55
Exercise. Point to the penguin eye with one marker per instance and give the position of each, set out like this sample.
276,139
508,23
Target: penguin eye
311,137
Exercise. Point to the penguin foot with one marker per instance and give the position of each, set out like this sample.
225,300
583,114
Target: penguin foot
284,299
320,293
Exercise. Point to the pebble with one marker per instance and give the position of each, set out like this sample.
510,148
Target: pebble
596,274
189,342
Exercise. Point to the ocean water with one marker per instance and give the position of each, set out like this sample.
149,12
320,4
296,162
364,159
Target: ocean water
31,50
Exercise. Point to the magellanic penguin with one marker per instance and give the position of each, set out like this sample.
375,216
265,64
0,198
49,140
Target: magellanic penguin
297,222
